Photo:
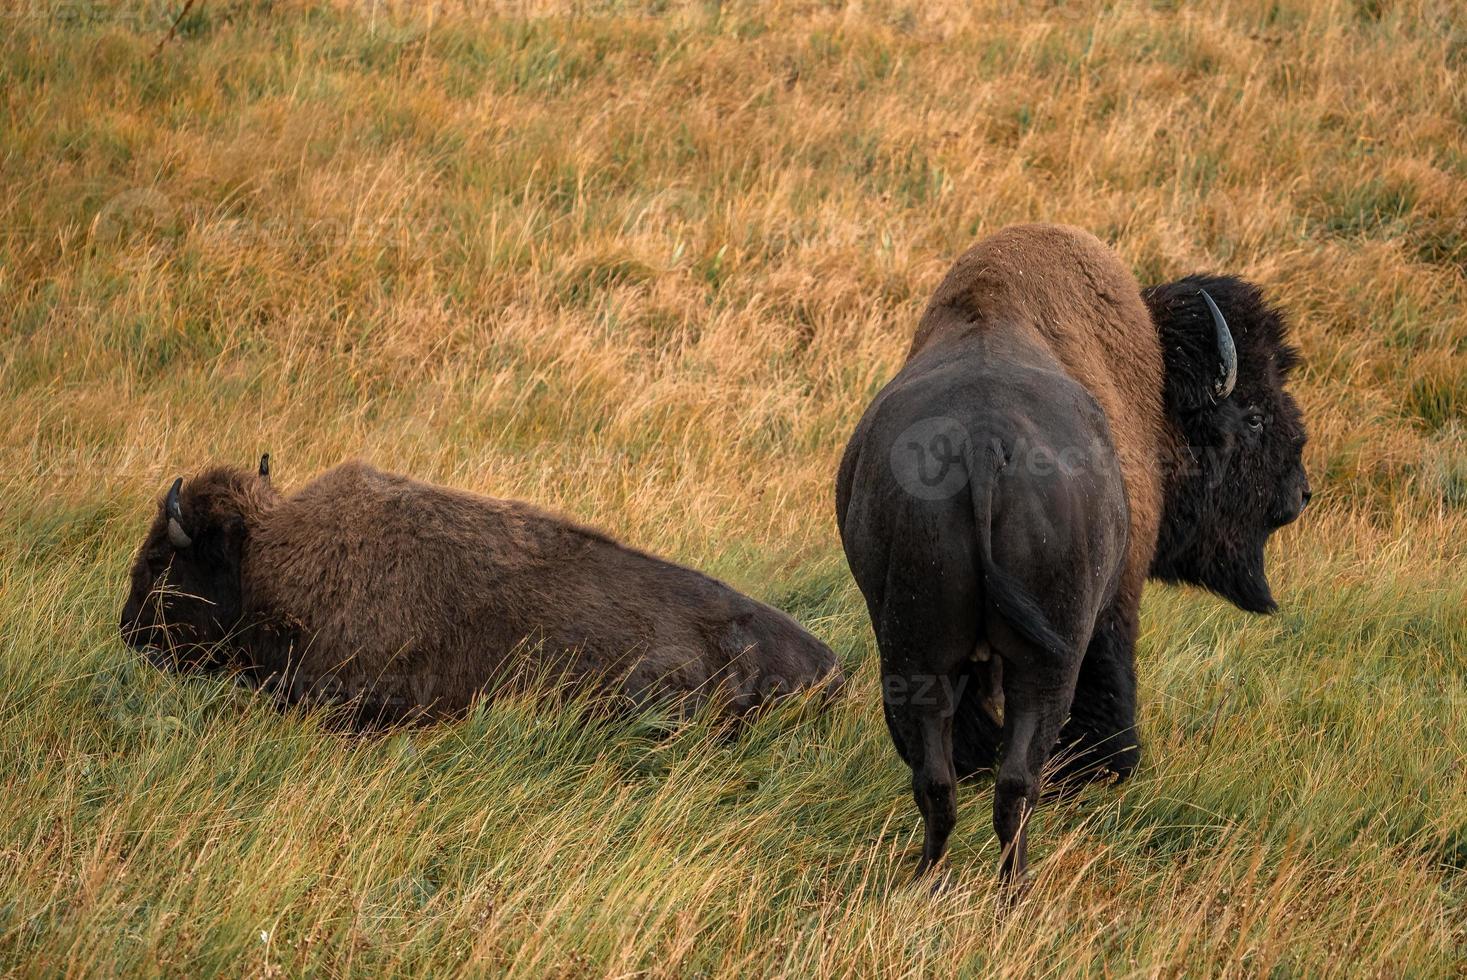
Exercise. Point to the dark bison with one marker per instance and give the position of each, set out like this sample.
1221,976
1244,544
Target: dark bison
407,601
1055,437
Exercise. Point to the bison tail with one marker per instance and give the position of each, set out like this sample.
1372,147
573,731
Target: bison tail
1019,609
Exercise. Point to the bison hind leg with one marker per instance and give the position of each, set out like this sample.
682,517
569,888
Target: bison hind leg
934,782
1036,703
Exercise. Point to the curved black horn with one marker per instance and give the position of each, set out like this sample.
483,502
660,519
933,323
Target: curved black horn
265,466
177,536
1227,351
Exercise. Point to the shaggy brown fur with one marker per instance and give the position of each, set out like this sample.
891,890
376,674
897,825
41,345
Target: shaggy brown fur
1002,500
410,600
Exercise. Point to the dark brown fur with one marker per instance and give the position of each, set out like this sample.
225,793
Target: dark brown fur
407,600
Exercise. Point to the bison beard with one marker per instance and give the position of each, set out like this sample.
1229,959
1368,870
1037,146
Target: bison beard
404,601
1001,502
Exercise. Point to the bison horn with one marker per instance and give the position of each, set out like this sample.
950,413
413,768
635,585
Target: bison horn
177,536
265,467
1227,351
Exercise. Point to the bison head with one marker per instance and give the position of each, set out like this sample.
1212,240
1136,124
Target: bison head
186,592
1239,475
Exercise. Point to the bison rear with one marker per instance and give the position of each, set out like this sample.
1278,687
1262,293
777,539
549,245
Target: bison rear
985,542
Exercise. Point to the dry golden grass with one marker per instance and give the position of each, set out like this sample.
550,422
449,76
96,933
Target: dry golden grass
647,263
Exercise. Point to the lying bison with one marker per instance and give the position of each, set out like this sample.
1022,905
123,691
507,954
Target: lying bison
1049,444
407,601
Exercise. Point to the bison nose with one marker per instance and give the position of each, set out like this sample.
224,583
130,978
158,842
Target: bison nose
131,629
1304,502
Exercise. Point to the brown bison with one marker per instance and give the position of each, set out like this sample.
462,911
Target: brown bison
1055,437
407,601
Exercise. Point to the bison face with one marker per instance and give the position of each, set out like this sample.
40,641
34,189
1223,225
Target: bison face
1240,474
186,593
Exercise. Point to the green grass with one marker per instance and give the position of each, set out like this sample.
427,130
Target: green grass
646,264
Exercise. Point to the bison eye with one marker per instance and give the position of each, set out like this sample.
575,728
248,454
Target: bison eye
1254,421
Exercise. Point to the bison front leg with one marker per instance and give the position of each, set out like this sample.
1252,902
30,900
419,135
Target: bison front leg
1100,738
977,720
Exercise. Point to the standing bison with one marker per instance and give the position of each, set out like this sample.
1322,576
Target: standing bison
1055,437
407,601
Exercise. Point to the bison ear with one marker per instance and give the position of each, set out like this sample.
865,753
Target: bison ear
177,536
265,468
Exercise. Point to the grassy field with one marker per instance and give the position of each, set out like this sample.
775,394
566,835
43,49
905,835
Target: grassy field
646,264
